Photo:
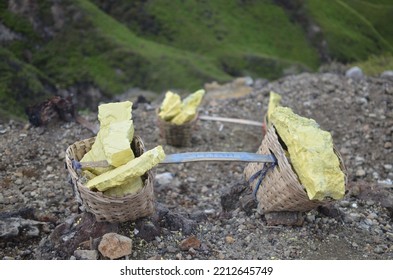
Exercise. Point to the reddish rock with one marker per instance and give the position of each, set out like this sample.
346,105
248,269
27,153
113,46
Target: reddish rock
115,246
190,242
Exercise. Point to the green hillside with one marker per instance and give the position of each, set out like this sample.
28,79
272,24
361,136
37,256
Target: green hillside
350,34
182,44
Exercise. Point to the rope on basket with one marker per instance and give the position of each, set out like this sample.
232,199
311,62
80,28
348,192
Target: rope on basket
261,174
76,165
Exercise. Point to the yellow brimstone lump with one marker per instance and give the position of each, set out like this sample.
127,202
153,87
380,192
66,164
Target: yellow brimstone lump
112,144
123,174
311,154
111,114
171,106
133,186
274,102
177,112
116,144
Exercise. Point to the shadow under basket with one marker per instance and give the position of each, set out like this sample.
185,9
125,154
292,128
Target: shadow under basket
177,135
281,190
107,208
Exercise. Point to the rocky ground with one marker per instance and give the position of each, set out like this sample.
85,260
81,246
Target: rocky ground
200,209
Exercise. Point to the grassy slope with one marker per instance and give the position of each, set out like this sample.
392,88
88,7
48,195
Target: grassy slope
379,13
226,27
20,84
351,36
161,66
180,46
238,38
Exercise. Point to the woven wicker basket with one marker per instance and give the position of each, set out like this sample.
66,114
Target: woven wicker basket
107,208
280,189
177,135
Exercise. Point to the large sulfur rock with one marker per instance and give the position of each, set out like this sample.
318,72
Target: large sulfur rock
171,106
125,173
116,144
130,187
113,140
274,102
189,108
311,154
179,112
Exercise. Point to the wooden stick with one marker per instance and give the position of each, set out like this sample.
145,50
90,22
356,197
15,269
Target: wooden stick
232,120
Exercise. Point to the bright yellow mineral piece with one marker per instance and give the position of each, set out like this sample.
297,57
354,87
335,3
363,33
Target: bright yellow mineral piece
128,172
274,101
109,114
116,144
311,154
189,108
171,106
133,186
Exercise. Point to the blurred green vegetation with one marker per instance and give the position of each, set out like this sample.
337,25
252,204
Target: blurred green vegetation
181,44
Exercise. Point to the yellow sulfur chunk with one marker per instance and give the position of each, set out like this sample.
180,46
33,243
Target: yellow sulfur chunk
114,112
108,114
194,99
186,115
130,187
96,154
116,144
171,106
274,101
124,173
311,153
189,108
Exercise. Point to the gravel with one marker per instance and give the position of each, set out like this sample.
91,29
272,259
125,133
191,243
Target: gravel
358,113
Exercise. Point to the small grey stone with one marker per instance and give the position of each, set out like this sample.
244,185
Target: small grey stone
360,173
388,166
191,180
18,181
164,179
364,226
354,73
353,217
86,254
372,215
387,145
344,203
387,74
171,249
310,218
370,202
369,222
33,232
379,250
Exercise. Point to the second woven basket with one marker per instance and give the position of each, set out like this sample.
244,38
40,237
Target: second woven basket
177,135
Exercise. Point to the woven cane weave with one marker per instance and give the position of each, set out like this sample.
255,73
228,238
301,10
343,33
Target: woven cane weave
177,135
281,189
106,208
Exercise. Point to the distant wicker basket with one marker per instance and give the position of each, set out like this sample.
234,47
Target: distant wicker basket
281,189
106,208
177,135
